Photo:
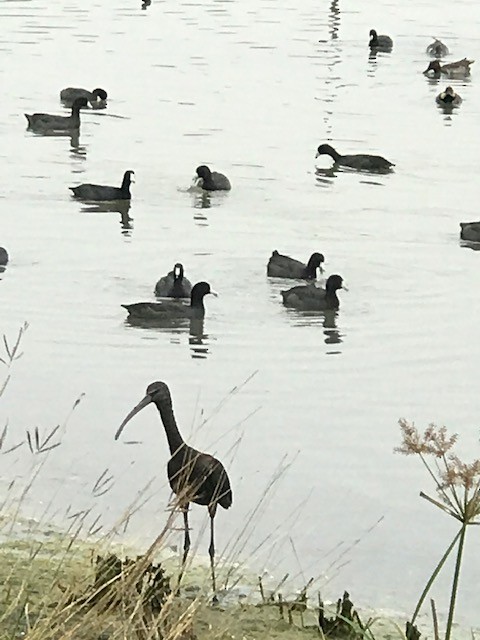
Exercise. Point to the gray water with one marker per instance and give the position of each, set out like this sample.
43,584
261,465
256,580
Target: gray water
250,88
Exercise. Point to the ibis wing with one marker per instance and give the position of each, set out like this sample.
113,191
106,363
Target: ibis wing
216,481
200,478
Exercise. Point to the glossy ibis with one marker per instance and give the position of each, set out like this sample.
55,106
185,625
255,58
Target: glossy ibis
193,476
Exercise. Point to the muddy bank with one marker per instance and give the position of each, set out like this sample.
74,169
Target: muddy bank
61,587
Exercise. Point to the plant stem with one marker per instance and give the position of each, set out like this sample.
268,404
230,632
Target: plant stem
436,635
436,481
432,578
456,577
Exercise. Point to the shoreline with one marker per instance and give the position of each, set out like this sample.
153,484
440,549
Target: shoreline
46,567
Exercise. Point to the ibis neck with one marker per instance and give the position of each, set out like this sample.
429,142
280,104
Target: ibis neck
174,438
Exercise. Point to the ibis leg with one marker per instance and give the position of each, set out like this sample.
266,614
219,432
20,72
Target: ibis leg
211,553
186,543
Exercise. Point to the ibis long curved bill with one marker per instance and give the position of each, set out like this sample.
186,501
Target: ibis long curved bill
141,405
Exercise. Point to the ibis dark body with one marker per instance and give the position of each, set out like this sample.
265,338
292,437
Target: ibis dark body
199,476
193,476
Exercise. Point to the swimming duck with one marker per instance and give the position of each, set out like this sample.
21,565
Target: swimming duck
174,284
280,266
437,48
172,309
359,161
448,98
311,298
470,231
212,180
102,192
458,69
97,98
384,43
47,122
3,257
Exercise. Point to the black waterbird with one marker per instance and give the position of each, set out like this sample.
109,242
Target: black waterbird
174,284
44,122
358,161
280,266
104,193
193,476
97,97
169,309
382,42
312,298
212,180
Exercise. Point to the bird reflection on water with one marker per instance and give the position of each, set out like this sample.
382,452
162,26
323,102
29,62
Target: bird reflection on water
76,149
198,340
331,332
201,199
114,206
466,244
327,319
325,177
334,20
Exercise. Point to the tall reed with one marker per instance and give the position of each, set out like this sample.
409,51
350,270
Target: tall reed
457,485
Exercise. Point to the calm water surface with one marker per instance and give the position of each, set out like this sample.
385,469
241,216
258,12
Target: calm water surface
250,88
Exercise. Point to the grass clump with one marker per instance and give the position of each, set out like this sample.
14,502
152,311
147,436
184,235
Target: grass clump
60,589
